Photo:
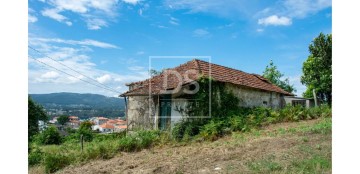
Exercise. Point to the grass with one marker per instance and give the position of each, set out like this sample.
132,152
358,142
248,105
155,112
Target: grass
51,158
310,158
56,157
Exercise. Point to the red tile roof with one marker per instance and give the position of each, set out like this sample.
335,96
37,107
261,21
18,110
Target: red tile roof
107,126
122,127
201,68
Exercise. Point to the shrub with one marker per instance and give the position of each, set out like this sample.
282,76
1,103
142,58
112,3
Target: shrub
147,138
49,136
128,144
105,152
212,130
238,123
186,128
55,162
35,156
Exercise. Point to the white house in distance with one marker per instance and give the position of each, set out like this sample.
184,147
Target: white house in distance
74,122
105,125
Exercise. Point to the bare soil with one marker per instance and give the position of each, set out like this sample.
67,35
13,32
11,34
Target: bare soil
237,153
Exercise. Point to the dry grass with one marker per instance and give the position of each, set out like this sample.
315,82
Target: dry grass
297,147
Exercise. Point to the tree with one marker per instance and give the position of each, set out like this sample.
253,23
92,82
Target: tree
317,69
274,76
63,119
49,136
154,72
85,130
35,113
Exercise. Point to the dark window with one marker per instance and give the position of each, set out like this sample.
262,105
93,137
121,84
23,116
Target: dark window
299,102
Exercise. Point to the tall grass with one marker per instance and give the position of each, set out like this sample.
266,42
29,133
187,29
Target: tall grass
106,146
55,157
243,120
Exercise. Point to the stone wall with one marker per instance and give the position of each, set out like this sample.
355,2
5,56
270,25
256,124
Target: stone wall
250,97
141,112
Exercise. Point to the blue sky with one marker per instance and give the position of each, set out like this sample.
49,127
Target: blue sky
111,40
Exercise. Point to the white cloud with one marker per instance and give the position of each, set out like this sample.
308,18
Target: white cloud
136,68
201,33
44,79
87,42
54,14
275,20
95,13
68,23
259,30
133,2
104,79
50,75
161,26
292,9
302,8
295,80
140,53
96,24
224,8
31,18
174,21
248,9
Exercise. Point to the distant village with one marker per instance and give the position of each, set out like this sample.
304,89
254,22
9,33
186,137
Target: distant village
99,124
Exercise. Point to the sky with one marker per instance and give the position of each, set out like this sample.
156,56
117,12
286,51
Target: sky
109,42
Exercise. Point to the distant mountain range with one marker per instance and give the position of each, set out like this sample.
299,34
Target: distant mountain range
82,105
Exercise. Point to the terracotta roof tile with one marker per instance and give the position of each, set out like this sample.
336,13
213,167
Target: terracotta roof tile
202,68
107,126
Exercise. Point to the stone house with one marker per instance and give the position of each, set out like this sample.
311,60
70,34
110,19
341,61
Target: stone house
153,103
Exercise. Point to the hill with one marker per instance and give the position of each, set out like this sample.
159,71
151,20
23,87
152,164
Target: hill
82,105
290,147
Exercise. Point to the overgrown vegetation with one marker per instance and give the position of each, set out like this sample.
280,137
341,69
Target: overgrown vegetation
246,120
226,117
102,146
317,69
275,76
35,113
105,146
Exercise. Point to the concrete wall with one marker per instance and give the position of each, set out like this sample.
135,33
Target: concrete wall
141,112
250,97
308,102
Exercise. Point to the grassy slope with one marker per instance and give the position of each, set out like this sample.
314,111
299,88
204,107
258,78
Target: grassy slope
298,147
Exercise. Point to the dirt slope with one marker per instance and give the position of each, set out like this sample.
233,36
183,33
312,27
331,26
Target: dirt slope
279,148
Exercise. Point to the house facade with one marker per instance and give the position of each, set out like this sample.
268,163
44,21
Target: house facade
154,103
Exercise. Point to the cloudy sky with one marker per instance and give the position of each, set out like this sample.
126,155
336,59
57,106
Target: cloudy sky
109,41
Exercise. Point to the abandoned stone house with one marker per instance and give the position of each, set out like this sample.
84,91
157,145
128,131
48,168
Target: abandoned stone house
152,103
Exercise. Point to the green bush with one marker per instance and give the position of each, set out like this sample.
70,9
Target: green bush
212,130
187,128
105,152
128,144
55,162
238,123
147,138
49,136
35,156
243,119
